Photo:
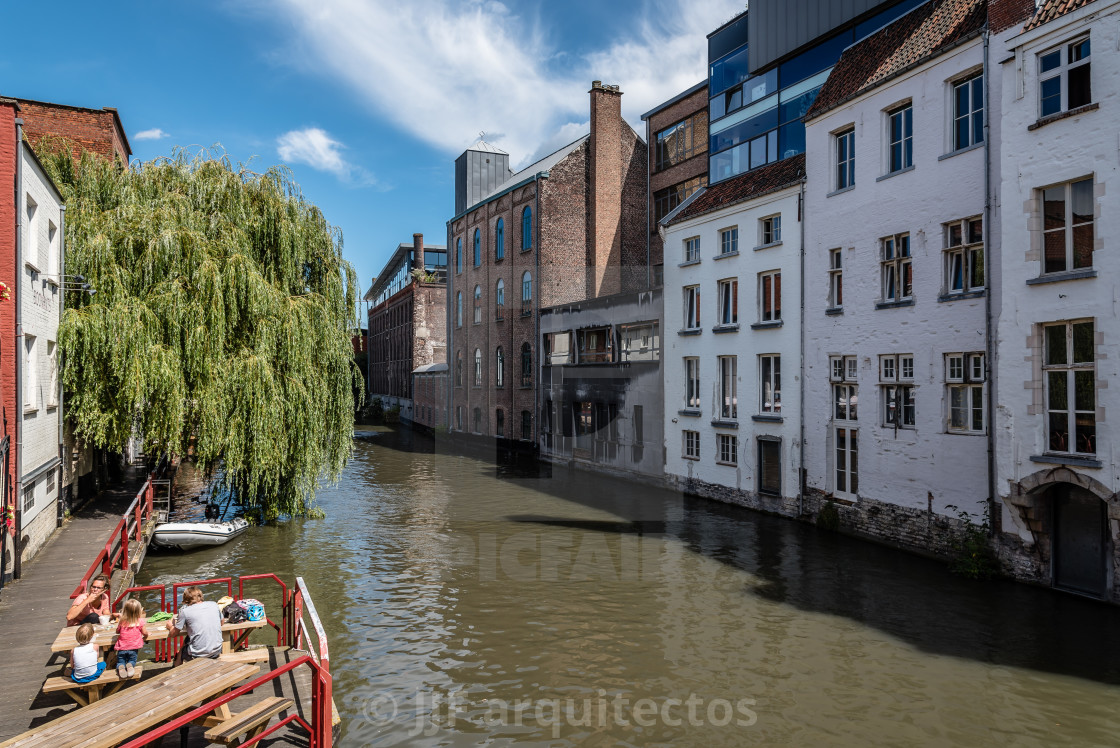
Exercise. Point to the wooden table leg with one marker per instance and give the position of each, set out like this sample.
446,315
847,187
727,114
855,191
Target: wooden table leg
77,695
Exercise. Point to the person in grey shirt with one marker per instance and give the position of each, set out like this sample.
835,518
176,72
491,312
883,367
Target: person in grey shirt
201,622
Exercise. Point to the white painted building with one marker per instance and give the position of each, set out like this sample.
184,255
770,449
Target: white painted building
1059,340
896,368
732,344
38,295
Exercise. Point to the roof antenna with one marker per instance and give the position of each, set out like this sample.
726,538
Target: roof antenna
481,135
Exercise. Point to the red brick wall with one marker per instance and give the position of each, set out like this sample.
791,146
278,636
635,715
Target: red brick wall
1003,14
605,167
9,275
390,345
564,229
95,130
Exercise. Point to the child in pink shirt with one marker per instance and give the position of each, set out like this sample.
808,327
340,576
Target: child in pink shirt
131,636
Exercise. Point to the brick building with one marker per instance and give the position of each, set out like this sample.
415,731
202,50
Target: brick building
406,321
429,397
98,131
677,133
567,228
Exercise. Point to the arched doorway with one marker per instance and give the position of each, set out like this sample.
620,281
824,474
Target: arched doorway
1080,540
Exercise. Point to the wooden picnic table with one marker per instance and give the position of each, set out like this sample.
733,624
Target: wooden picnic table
106,636
113,720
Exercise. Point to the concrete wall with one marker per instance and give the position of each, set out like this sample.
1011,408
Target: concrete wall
924,468
748,340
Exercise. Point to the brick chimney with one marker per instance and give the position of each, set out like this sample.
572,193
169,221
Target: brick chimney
604,224
417,251
1003,14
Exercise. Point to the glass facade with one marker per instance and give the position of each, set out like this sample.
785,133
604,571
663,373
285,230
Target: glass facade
755,116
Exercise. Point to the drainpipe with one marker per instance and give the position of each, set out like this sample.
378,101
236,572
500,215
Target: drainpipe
17,499
801,367
989,342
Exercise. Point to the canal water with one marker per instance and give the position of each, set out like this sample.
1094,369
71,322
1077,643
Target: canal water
472,605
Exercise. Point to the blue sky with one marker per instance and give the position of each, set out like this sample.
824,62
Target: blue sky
368,101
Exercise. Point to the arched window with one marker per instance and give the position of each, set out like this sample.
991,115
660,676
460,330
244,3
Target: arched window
477,304
526,294
500,240
459,255
526,365
500,300
500,418
500,366
478,367
526,228
477,248
459,377
459,309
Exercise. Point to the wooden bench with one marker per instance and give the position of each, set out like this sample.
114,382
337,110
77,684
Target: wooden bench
246,655
87,693
248,723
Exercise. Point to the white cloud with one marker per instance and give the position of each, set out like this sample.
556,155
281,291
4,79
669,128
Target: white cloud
154,134
445,70
315,148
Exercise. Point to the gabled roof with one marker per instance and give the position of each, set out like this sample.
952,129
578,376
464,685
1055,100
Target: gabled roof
1052,9
484,147
753,184
916,37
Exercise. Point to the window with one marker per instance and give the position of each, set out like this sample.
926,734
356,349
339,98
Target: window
526,425
477,417
477,304
459,374
835,279
1067,226
690,444
52,359
846,159
1063,78
30,373
499,367
968,112
50,483
558,347
477,367
896,379
29,497
526,365
771,229
898,278
459,255
692,249
639,342
770,466
477,248
526,294
729,240
964,256
666,200
679,142
459,309
964,379
846,459
845,398
459,417
729,301
500,240
692,379
728,446
900,129
595,345
692,307
526,230
500,422
1071,392
500,300
728,386
770,296
770,383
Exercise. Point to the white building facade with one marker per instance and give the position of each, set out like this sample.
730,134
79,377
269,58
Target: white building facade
38,295
896,370
732,342
1059,340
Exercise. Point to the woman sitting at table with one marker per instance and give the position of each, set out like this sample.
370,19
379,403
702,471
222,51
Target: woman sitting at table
201,622
89,607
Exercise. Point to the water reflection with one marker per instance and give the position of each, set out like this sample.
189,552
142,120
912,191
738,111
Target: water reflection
557,608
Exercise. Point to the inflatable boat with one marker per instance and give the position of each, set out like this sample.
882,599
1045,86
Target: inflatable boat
185,535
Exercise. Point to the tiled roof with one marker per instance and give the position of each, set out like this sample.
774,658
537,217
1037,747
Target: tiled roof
761,181
914,38
1051,9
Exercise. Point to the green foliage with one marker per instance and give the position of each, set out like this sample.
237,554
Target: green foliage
828,518
972,554
223,312
423,276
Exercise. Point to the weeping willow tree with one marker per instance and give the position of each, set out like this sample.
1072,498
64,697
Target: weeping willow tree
221,320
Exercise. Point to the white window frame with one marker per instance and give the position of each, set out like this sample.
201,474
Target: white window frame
691,307
477,367
905,141
769,290
690,445
898,391
896,268
835,279
965,396
1061,72
692,382
728,302
728,368
478,305
729,240
727,449
1068,226
28,497
770,230
844,146
964,256
770,383
1071,369
692,249
973,88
